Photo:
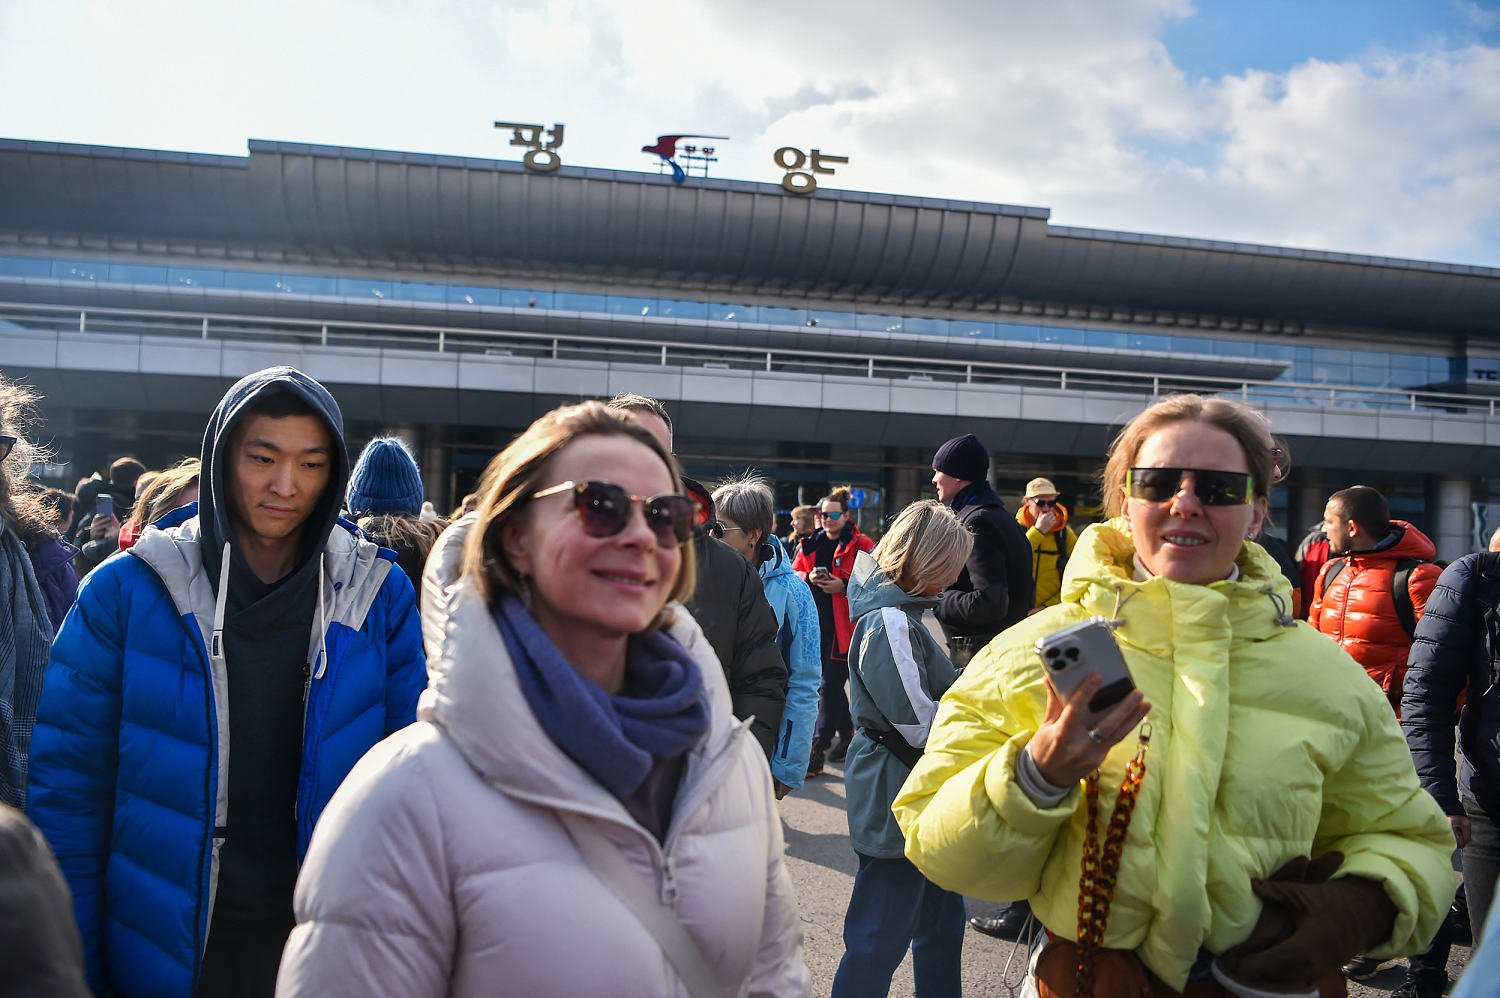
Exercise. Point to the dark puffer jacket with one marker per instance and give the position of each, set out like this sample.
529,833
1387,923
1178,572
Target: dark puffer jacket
730,605
1458,643
995,588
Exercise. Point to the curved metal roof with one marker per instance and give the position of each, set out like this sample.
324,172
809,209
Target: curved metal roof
361,207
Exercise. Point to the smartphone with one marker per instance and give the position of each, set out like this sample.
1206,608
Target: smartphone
819,573
1074,653
104,507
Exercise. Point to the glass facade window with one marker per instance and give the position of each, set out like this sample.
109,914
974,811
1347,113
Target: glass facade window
465,295
675,309
412,291
131,273
195,277
354,287
1105,338
1331,366
570,301
924,326
830,320
972,330
723,312
79,270
519,298
878,323
773,316
309,284
1059,334
252,280
26,266
623,305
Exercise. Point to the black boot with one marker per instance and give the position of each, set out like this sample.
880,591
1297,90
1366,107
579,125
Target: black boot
1009,924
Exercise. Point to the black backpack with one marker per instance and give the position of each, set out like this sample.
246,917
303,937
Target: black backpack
1400,590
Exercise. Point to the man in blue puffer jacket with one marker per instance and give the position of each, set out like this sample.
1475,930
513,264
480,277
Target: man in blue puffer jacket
257,621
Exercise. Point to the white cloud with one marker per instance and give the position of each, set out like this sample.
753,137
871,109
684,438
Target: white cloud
1076,105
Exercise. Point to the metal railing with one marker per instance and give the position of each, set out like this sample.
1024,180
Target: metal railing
716,356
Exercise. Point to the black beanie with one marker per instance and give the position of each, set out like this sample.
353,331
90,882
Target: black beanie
964,458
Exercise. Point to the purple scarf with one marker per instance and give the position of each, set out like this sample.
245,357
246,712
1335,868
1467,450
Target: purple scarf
616,739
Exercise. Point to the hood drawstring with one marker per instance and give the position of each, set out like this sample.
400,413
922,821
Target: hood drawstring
216,645
320,664
1115,621
1283,617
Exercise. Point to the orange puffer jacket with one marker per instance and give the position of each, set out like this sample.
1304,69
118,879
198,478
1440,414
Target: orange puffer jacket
1359,612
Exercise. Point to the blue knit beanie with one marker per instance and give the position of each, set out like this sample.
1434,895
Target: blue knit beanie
385,480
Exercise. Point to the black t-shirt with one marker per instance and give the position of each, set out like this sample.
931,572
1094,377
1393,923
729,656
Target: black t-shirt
267,634
822,548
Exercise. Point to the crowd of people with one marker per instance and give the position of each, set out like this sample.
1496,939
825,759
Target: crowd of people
273,725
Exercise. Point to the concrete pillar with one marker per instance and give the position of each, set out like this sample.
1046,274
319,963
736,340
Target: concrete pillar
1449,516
1308,495
435,459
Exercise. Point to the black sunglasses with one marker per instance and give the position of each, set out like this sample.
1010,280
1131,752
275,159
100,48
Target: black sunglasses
1213,488
604,508
7,443
1045,503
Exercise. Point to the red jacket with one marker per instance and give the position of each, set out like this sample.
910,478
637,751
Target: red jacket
1359,612
851,542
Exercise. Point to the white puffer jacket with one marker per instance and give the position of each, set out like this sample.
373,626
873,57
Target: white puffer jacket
441,868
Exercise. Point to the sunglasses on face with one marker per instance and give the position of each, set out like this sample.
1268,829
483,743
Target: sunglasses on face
1213,488
1044,503
6,443
604,508
835,515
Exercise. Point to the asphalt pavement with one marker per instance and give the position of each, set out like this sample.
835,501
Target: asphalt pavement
822,866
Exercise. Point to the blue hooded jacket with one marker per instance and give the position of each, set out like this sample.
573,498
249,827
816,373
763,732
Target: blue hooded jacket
799,638
130,755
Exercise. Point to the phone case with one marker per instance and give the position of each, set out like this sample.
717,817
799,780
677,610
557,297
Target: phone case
1075,652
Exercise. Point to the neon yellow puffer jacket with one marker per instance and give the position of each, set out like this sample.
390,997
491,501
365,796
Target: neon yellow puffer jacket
1269,742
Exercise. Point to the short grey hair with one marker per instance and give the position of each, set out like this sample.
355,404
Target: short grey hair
748,501
631,402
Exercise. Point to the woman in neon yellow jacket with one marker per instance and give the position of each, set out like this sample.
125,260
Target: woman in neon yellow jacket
1268,746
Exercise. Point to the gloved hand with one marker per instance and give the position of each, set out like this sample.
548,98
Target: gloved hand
1309,925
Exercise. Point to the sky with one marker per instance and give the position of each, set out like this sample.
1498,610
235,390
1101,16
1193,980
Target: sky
1360,126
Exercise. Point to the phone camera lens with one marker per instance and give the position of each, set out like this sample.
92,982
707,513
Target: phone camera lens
1071,653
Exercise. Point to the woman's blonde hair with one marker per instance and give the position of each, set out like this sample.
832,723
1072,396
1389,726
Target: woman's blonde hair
165,492
1264,456
926,544
506,488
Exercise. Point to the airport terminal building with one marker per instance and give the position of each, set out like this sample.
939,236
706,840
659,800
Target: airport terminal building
823,338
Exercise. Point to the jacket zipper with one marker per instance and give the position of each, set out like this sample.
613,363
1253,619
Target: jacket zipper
713,775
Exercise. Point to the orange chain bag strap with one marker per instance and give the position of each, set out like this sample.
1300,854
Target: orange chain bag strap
1096,883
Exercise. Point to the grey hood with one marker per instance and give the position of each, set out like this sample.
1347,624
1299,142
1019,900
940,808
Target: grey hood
870,588
213,501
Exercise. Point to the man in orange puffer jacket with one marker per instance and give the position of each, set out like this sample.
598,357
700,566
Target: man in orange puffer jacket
1356,607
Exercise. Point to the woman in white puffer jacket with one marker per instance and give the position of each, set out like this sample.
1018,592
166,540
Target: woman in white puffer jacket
571,700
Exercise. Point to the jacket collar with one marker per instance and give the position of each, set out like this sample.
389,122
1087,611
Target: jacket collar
975,494
1100,577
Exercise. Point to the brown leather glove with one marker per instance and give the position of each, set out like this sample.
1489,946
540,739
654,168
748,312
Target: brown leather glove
1309,925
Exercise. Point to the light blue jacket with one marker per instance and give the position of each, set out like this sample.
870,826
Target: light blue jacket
798,637
897,672
130,757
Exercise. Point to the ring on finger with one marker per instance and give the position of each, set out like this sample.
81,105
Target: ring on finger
1096,737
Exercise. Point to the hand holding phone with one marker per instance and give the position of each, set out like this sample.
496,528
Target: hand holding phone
104,506
1092,703
1081,650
